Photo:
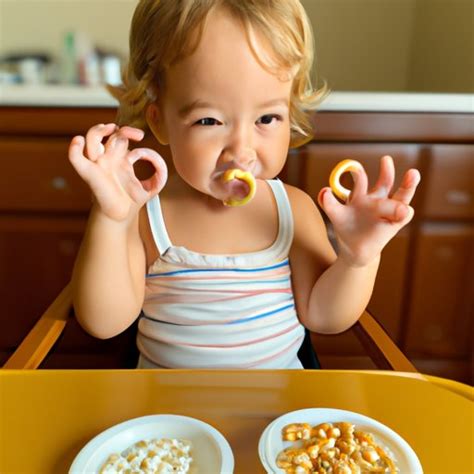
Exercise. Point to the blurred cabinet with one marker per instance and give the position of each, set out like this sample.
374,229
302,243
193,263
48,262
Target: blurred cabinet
449,193
37,177
43,214
423,294
442,299
36,255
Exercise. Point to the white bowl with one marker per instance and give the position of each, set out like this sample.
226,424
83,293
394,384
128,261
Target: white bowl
211,451
271,444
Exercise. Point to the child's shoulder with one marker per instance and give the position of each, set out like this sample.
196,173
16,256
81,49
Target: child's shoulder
146,236
307,218
300,200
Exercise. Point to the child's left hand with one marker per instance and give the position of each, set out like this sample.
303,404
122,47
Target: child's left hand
368,220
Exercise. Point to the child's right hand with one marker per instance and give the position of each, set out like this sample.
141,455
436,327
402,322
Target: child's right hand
108,169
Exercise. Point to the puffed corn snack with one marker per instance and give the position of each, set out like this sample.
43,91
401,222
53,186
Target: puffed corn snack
332,448
157,456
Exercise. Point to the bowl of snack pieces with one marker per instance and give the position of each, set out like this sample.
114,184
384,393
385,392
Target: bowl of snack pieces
156,443
327,440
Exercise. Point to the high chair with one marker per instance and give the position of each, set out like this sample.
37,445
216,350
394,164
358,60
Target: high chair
41,339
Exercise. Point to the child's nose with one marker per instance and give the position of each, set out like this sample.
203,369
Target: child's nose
240,151
242,158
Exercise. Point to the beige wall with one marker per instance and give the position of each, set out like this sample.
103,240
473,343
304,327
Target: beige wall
37,25
443,46
362,44
378,45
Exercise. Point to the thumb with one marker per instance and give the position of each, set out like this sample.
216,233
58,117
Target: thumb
328,202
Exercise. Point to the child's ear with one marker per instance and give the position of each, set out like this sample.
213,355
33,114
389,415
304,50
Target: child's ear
156,123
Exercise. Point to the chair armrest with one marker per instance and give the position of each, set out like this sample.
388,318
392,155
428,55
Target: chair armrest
34,348
381,349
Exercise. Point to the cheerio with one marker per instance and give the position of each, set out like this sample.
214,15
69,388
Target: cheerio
244,176
334,179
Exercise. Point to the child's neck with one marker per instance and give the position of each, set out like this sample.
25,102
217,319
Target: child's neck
179,190
205,225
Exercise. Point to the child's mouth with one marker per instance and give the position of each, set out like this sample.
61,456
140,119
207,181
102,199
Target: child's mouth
236,189
239,187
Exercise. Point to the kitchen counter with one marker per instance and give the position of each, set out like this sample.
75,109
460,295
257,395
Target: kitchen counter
76,96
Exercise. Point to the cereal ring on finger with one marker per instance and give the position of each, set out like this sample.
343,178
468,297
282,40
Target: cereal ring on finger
334,179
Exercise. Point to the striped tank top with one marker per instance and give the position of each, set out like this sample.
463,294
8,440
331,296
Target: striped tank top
220,311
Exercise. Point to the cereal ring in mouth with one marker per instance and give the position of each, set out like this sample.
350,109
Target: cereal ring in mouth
334,179
245,176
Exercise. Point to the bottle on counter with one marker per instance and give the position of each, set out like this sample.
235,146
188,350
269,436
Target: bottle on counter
69,67
111,70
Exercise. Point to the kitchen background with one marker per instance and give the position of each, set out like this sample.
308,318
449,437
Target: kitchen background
361,45
422,50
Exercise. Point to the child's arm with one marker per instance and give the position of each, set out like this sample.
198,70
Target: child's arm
332,292
109,274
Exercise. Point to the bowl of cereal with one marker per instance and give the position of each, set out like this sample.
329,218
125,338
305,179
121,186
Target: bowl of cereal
156,443
331,440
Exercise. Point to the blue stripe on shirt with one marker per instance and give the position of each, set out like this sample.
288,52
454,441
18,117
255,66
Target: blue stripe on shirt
259,316
263,315
195,270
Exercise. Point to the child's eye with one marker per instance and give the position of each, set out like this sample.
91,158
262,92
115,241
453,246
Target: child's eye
208,121
268,119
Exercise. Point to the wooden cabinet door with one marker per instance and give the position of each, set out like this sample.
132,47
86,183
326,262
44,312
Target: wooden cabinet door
37,176
37,255
442,293
388,298
385,304
450,182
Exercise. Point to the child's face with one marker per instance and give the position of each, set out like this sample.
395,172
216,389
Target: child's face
221,109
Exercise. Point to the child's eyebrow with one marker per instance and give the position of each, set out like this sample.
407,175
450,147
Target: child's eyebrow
272,102
199,104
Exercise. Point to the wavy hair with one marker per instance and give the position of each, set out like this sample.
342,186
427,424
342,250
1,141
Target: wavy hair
165,31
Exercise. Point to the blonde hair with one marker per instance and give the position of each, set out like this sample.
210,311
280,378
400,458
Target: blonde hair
165,31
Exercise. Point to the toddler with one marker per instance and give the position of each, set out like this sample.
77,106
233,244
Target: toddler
226,84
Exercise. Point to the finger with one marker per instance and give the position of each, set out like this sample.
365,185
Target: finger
132,133
117,144
386,178
94,137
76,157
135,189
408,186
330,205
392,210
156,183
408,217
361,183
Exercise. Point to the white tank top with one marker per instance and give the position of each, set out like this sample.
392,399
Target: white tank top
220,311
